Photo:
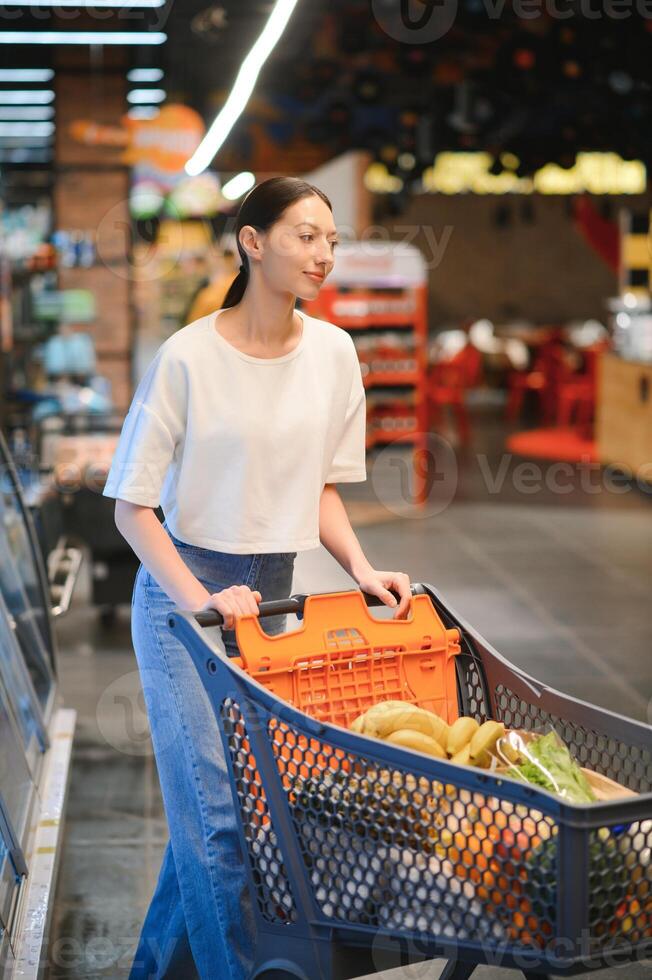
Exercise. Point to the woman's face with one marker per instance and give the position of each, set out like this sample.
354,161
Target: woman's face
298,251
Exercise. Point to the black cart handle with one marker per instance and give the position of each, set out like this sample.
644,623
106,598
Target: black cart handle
293,604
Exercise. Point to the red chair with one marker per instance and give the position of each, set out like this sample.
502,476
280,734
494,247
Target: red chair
542,379
576,392
448,382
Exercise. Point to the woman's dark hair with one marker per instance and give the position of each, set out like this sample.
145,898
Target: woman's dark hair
261,208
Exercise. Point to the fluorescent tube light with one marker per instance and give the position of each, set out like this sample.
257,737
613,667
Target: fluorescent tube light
146,96
16,142
238,185
26,96
75,3
143,112
23,155
145,75
243,87
24,112
82,37
26,74
26,128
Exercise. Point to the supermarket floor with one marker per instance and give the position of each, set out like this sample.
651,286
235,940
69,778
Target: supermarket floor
557,580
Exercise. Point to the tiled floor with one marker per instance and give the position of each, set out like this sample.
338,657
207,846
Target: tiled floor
557,582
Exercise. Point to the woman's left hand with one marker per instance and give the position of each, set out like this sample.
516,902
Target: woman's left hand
378,583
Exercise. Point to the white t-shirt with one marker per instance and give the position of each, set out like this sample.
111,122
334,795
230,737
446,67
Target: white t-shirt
236,449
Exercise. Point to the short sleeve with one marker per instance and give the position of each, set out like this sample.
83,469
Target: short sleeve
151,430
348,464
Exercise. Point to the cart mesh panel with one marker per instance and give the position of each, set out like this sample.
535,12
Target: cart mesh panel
472,689
620,885
272,886
629,765
385,848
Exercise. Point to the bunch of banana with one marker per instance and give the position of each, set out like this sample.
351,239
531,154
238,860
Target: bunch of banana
465,742
472,744
405,724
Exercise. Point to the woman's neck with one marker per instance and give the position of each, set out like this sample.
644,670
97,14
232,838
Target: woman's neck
262,324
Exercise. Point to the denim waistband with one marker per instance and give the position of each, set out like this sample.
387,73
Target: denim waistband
201,550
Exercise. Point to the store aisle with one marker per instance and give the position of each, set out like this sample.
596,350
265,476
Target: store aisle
557,586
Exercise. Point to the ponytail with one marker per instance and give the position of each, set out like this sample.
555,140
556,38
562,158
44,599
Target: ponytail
237,288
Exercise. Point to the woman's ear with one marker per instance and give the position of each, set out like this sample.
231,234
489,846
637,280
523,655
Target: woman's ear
250,241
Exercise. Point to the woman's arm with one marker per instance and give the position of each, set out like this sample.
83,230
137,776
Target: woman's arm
143,531
338,537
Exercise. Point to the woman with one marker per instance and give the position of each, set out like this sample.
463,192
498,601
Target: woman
240,429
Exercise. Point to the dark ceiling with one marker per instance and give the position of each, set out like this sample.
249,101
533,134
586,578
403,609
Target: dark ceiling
346,74
343,75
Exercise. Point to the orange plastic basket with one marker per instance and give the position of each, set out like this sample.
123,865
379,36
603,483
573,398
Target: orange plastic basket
342,659
340,662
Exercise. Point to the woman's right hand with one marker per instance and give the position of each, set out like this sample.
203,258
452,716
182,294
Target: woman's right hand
238,600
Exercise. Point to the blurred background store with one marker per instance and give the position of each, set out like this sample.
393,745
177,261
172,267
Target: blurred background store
489,174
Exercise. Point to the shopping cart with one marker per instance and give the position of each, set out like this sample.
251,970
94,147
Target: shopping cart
361,855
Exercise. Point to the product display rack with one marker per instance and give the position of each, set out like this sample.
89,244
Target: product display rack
23,334
28,269
377,291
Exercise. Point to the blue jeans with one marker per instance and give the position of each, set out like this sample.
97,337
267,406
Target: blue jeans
200,921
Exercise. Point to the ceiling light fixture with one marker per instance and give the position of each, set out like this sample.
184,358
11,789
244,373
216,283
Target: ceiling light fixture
146,96
26,128
19,142
145,75
26,97
242,89
26,74
25,112
26,155
75,3
238,185
143,112
82,37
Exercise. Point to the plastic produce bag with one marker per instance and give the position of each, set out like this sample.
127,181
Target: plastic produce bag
544,760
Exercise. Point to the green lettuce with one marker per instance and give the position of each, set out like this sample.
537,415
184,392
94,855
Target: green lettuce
552,767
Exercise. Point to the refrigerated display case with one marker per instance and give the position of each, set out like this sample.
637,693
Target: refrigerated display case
35,735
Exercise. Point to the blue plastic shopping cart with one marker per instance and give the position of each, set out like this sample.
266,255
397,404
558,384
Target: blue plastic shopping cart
361,854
